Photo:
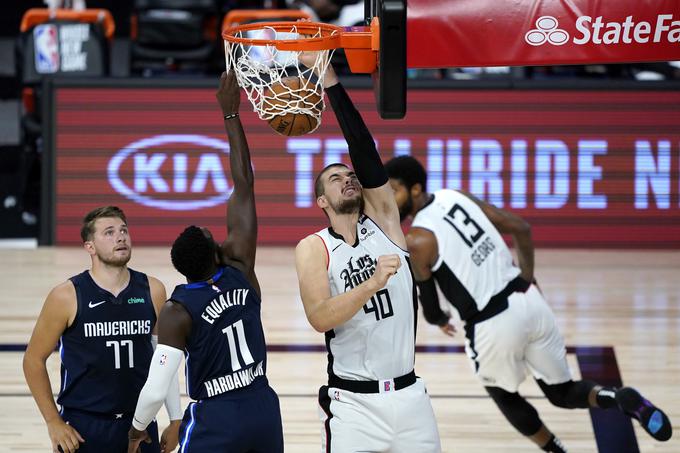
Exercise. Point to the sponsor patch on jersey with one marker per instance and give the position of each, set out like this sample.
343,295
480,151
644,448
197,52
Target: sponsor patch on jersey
136,300
163,360
366,235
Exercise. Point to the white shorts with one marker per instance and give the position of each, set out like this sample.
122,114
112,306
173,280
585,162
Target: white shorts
523,336
400,421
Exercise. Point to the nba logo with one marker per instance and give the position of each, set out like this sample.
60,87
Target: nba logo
387,386
46,49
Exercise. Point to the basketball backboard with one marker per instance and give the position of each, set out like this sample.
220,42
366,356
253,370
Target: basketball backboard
389,80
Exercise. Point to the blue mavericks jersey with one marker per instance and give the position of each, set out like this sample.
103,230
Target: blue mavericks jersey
106,352
225,351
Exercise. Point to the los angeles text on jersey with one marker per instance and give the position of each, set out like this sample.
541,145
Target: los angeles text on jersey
117,328
358,271
238,379
217,306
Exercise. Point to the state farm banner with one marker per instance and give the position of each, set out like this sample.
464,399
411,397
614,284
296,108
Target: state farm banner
536,32
585,168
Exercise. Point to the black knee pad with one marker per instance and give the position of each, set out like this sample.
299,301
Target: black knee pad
568,395
517,410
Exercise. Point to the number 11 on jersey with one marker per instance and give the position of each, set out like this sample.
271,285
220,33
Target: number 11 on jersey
242,345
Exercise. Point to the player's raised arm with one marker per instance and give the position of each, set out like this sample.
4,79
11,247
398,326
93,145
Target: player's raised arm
378,196
241,215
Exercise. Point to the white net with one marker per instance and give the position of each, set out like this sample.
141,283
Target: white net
276,82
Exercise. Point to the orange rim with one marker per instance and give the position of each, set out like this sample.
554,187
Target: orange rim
240,16
361,44
329,39
35,16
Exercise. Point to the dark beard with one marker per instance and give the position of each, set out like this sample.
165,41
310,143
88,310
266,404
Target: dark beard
405,210
117,262
349,206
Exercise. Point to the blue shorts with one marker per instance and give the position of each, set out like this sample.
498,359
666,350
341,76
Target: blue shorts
107,433
247,422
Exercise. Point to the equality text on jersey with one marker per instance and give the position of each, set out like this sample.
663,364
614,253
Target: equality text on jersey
226,300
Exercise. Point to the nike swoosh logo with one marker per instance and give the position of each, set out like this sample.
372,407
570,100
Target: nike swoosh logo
91,305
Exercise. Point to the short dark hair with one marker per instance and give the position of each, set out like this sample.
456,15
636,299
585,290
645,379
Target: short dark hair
408,171
87,228
193,254
318,184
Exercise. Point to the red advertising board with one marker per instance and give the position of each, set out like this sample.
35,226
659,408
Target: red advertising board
586,168
532,32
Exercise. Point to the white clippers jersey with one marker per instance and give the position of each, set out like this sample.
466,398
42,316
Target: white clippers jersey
379,341
474,264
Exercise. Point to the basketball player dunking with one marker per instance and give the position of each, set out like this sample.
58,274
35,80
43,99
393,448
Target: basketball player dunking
103,320
214,321
357,288
455,241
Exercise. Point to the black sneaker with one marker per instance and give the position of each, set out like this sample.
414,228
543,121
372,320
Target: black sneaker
652,419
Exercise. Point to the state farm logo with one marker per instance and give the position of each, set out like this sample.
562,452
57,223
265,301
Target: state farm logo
546,31
172,172
598,30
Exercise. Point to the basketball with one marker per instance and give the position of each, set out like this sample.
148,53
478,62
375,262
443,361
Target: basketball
292,93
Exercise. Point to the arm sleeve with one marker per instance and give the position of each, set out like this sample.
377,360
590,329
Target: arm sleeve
164,365
362,151
429,299
172,401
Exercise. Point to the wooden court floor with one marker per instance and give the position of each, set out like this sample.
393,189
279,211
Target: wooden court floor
625,303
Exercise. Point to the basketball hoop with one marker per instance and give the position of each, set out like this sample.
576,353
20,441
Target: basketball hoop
266,54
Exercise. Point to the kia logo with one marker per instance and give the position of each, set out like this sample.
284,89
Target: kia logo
146,163
546,31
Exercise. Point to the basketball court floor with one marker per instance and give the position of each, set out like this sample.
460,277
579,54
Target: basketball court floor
619,312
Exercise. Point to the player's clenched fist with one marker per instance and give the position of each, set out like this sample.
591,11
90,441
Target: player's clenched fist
386,267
